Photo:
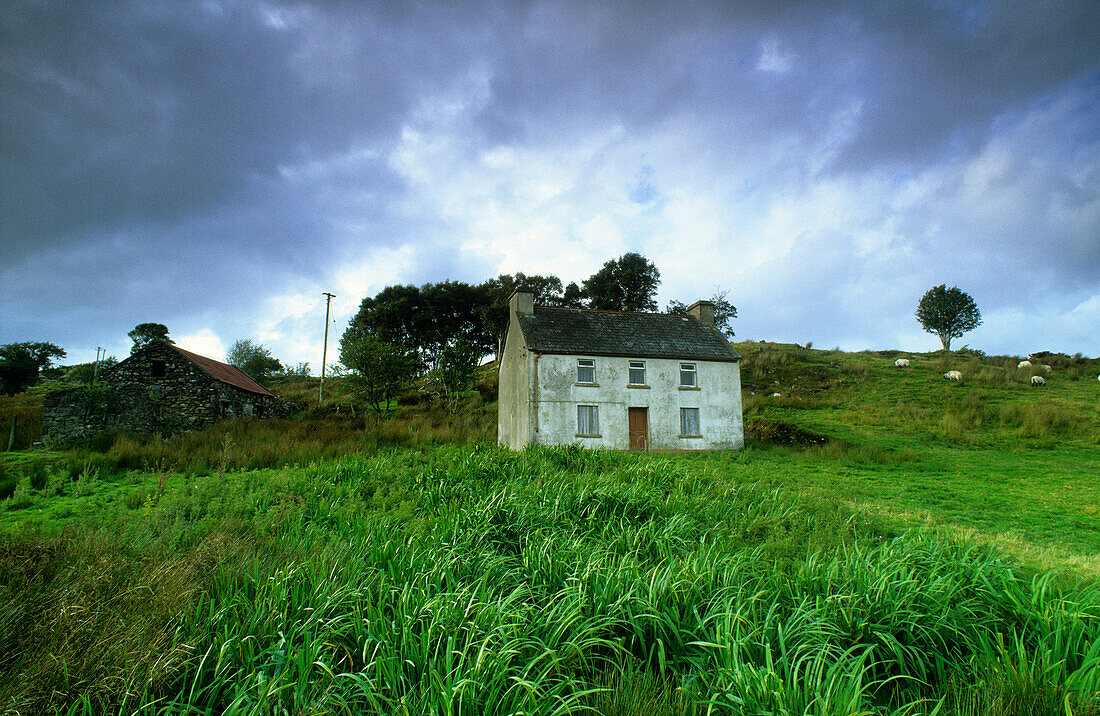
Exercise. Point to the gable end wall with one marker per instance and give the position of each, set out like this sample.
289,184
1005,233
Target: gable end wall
514,400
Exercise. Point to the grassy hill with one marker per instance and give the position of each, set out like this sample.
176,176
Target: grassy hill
990,456
883,544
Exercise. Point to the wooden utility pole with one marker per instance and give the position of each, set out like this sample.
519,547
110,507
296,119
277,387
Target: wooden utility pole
95,368
324,351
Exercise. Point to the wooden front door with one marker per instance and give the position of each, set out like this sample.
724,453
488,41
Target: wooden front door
638,427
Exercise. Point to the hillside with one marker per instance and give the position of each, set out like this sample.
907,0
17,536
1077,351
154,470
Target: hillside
882,545
900,442
991,456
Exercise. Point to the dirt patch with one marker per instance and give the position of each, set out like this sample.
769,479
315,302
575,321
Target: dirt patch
776,433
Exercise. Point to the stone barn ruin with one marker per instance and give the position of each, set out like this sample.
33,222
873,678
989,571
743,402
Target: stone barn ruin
160,388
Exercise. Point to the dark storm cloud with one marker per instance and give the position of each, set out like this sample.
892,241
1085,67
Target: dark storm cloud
127,113
180,158
121,114
930,78
938,76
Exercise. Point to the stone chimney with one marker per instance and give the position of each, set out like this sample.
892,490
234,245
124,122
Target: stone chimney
523,303
703,311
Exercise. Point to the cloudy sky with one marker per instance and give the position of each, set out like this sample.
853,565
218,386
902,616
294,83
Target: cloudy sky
215,166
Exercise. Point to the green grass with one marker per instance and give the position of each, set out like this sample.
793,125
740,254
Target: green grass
471,579
340,564
992,457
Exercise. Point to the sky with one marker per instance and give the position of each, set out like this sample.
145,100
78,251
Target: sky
216,166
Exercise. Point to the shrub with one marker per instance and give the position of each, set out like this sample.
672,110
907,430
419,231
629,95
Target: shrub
8,483
39,475
98,401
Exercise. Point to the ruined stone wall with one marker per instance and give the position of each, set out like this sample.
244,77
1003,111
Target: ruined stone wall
155,390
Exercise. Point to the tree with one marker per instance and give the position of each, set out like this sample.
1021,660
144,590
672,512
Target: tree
573,296
948,312
493,310
298,371
455,372
86,372
724,311
145,333
451,315
628,283
20,364
428,318
396,315
381,370
255,360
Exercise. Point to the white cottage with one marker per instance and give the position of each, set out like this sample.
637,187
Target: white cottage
609,379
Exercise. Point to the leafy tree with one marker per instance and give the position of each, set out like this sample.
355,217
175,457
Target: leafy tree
493,310
396,315
85,372
427,319
20,364
724,311
452,315
145,333
948,312
255,360
573,296
455,372
298,371
628,283
381,370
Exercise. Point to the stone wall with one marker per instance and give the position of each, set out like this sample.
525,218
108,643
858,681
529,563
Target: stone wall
155,390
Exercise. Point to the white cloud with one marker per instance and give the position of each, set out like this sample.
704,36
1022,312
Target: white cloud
292,325
772,59
204,342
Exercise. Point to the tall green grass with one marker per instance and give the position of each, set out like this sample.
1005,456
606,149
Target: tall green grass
259,444
474,580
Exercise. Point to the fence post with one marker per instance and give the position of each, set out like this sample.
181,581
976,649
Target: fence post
11,437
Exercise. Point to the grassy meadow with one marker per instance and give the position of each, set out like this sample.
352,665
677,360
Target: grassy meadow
886,543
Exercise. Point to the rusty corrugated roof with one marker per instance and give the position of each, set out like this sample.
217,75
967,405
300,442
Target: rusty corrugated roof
224,372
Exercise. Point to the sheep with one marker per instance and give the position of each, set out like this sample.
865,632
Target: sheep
1023,364
1046,368
953,375
1038,380
902,362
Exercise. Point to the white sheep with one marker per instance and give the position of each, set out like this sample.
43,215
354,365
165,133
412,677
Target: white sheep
1038,380
1046,368
953,375
1023,364
902,362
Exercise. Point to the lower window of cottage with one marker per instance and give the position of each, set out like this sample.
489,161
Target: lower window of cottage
588,420
689,422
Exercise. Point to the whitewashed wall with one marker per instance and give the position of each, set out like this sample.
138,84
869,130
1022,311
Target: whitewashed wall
558,395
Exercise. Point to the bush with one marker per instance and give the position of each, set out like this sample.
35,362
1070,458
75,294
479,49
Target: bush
39,476
7,485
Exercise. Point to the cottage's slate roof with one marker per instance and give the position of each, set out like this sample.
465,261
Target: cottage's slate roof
224,372
614,333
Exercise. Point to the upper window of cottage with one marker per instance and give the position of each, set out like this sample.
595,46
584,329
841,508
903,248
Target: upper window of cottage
637,372
158,369
687,375
586,370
